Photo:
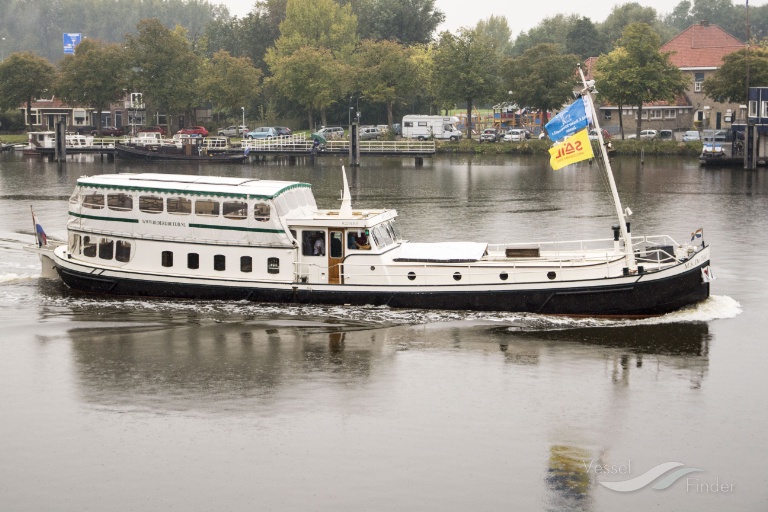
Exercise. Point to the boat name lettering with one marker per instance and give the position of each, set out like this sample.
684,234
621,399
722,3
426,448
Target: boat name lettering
352,223
164,223
693,263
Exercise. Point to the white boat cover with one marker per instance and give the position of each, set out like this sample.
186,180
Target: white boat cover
444,252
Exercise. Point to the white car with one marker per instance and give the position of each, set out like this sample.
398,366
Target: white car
645,134
691,135
514,135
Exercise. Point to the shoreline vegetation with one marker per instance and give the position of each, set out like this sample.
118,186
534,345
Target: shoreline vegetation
541,147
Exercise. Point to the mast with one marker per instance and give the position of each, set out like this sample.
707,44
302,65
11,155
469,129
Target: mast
629,253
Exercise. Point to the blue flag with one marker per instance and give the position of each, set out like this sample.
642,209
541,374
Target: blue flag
569,121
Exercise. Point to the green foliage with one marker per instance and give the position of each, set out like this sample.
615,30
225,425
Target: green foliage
95,76
497,30
552,30
542,77
23,78
405,21
319,24
229,82
466,68
584,39
164,67
728,84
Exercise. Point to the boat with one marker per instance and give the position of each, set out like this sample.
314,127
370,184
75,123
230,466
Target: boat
44,142
150,146
197,237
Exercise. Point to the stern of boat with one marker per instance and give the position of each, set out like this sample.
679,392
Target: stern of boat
47,263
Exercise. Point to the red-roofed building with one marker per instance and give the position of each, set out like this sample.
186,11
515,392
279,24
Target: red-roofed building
697,51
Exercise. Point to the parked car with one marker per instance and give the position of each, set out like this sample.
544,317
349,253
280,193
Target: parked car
283,131
691,135
158,129
233,131
715,136
490,135
108,131
262,132
593,134
331,132
193,130
645,134
514,135
369,133
666,135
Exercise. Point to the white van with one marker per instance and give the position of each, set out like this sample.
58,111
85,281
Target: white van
424,127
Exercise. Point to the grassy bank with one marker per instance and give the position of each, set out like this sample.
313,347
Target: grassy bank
535,146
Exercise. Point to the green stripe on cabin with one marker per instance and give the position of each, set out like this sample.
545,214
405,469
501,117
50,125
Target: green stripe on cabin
97,217
236,228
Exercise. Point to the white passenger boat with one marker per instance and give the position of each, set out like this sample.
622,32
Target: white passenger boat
246,239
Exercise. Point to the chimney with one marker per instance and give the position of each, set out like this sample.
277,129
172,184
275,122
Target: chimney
704,23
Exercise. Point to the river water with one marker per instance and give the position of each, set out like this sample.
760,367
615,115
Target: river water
116,405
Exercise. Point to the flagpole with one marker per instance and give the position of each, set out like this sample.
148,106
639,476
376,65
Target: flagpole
625,234
34,226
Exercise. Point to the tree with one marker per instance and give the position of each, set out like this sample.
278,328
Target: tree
319,24
497,29
95,76
542,78
624,15
551,30
584,40
310,77
165,67
406,21
466,69
228,82
385,73
729,83
24,76
647,72
614,81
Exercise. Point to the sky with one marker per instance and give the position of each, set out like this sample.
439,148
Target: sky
521,15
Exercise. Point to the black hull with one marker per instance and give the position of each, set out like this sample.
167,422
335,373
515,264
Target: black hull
139,153
637,299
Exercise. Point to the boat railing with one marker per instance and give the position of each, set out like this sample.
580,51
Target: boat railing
300,142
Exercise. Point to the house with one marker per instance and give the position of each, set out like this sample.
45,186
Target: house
697,51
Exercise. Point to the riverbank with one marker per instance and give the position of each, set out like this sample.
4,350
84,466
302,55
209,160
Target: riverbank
541,147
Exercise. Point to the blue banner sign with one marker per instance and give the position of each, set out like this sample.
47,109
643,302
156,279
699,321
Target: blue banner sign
570,120
70,41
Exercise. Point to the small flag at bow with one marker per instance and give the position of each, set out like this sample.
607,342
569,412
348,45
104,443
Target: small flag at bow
40,235
697,235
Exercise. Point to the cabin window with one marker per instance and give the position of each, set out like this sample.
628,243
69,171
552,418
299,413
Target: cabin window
358,240
122,251
261,212
219,263
106,248
120,202
179,205
89,247
235,210
193,260
290,199
382,236
151,204
94,201
408,124
273,265
166,258
313,243
421,123
207,207
246,264
752,109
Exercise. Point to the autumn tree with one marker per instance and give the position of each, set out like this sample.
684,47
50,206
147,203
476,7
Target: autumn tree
95,76
24,76
466,69
406,21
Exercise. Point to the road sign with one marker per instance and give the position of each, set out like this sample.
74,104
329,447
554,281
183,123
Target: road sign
70,41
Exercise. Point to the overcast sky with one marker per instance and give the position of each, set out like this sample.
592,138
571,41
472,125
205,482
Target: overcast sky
521,16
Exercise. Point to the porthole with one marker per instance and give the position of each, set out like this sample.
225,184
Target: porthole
457,276
551,275
373,268
503,276
411,275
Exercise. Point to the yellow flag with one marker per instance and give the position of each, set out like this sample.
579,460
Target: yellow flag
571,150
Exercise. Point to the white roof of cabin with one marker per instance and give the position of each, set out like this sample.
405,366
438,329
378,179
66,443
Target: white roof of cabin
191,184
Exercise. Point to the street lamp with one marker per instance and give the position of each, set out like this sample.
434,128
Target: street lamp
349,114
243,127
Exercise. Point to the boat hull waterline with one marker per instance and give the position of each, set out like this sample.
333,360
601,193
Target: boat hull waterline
643,295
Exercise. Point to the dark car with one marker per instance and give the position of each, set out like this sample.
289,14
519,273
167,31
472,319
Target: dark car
193,130
108,131
282,131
